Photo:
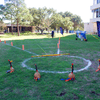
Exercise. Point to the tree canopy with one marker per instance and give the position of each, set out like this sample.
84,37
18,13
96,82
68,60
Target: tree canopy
17,12
41,18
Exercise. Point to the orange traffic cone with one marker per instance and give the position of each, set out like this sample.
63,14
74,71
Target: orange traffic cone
22,47
11,43
4,41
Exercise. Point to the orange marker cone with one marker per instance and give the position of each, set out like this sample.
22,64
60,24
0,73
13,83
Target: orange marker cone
59,40
11,43
22,47
5,42
58,45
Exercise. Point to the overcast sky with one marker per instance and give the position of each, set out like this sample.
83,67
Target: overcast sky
78,7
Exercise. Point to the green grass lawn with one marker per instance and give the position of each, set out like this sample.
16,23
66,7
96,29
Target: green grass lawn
20,85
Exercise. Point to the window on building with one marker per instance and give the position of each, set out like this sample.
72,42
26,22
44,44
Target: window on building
96,14
99,12
98,1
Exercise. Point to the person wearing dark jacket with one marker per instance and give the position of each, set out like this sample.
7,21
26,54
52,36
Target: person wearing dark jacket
52,34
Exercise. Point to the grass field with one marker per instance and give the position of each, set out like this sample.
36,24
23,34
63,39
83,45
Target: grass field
20,85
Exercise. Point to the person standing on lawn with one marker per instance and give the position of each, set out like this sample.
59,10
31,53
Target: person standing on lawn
52,34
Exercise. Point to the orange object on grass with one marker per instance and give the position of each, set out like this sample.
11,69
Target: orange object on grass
59,38
59,41
11,43
58,45
22,47
97,70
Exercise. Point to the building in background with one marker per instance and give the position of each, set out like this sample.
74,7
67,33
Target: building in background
22,28
92,26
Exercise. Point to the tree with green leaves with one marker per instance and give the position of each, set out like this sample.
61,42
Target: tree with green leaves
66,14
2,25
57,21
38,18
48,20
20,13
67,24
10,13
42,18
76,20
2,7
81,26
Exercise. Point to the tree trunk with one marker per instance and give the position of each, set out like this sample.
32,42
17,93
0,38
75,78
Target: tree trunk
37,30
12,29
32,29
66,30
11,25
57,31
48,30
41,31
18,28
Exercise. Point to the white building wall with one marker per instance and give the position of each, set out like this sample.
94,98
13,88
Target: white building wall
90,27
95,6
95,27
